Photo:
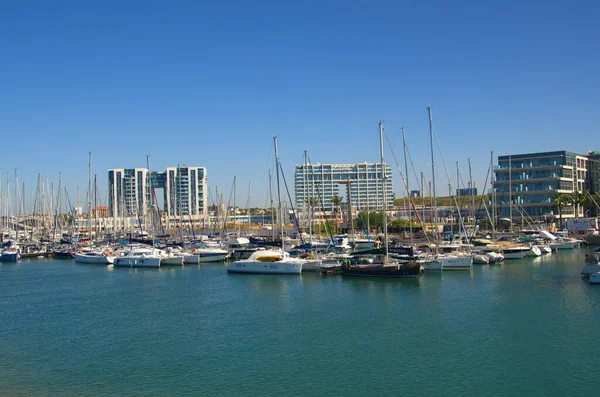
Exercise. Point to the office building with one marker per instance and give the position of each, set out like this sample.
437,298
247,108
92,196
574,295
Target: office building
531,180
320,182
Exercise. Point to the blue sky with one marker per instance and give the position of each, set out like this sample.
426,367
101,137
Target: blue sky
210,84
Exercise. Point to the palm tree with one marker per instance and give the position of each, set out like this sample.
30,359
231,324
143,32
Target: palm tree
336,201
578,199
560,200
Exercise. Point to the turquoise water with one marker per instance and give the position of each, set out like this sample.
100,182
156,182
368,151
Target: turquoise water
521,328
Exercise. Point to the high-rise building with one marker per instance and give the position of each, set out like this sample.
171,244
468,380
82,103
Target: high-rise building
527,183
128,192
184,191
320,182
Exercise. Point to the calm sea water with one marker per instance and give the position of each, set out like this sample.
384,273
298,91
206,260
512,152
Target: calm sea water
521,328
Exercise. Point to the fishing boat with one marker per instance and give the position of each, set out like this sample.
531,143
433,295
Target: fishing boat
595,278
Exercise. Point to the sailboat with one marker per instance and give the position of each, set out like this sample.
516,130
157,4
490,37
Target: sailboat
382,266
270,261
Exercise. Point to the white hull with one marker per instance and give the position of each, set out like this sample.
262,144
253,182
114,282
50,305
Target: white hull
534,251
312,266
494,257
265,267
564,245
481,259
94,259
590,268
203,258
150,262
546,249
456,262
595,278
171,260
520,254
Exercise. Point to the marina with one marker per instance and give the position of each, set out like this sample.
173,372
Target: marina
102,330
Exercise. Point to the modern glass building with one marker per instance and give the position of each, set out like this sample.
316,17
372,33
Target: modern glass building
320,182
532,180
184,191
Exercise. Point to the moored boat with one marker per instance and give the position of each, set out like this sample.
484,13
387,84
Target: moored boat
267,262
94,257
139,257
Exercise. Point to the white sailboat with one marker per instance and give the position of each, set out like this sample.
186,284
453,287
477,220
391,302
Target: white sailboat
270,261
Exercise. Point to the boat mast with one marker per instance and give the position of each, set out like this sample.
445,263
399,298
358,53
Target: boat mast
407,187
149,198
279,194
472,193
272,209
510,192
383,178
89,200
493,195
457,194
435,221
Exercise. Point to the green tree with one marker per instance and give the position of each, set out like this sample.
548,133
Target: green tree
336,201
579,199
560,200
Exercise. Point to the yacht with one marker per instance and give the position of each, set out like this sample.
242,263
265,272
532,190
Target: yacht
139,257
565,244
592,265
200,253
94,257
267,262
10,255
240,248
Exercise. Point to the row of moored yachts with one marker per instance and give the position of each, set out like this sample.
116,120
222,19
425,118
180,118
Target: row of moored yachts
400,260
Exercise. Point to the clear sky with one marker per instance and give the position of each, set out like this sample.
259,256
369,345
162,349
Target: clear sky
210,84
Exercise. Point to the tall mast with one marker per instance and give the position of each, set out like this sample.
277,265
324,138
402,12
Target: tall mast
383,179
435,223
493,194
308,199
149,198
510,196
272,211
234,211
472,193
89,200
407,187
279,194
457,192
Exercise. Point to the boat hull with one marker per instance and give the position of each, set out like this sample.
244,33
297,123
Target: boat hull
137,262
595,278
456,263
590,268
9,257
264,267
94,260
384,271
172,261
514,254
203,258
566,245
